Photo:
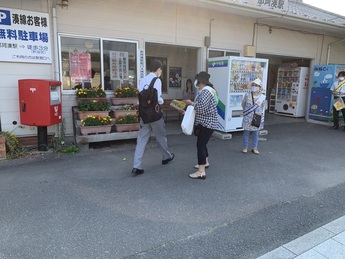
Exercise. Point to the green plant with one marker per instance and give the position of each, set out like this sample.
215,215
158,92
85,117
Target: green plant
126,91
94,92
59,145
71,150
93,105
127,107
96,121
13,147
128,119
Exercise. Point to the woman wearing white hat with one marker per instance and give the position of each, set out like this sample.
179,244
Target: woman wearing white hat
253,102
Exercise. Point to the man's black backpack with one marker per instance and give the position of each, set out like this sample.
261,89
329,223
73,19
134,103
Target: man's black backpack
149,108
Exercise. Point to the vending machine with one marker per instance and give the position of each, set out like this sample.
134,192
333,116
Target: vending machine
230,76
292,90
321,98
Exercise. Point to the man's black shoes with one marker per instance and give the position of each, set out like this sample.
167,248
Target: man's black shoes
137,171
334,128
164,162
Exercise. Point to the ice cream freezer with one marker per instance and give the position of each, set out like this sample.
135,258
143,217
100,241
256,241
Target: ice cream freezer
230,77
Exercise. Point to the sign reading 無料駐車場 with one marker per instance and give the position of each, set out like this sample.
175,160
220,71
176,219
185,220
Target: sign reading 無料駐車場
278,5
24,36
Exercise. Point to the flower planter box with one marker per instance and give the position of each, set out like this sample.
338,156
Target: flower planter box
83,115
120,113
91,99
86,130
127,127
122,101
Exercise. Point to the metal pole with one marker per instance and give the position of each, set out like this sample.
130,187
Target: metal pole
42,137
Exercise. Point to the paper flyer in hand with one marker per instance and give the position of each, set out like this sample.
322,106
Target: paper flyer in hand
178,105
339,105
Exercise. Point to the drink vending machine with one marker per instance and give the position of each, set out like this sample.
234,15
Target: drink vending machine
40,105
230,77
292,90
321,99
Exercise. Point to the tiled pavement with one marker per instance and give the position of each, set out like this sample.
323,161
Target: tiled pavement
327,241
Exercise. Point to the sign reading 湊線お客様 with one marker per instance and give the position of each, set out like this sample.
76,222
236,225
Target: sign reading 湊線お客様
24,36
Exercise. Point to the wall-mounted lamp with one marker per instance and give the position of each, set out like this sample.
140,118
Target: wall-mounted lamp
270,30
64,3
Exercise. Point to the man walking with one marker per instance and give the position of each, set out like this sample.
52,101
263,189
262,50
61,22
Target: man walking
157,127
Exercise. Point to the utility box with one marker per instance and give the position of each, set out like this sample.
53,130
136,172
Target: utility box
39,102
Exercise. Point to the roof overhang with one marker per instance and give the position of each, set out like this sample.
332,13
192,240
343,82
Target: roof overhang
271,17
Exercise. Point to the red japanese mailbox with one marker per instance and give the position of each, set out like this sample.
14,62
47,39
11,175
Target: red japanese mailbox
40,105
40,102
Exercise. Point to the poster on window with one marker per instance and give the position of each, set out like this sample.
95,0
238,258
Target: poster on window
118,65
24,36
80,67
175,76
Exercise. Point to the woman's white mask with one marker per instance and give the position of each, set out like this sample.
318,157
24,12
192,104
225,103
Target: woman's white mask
341,78
255,88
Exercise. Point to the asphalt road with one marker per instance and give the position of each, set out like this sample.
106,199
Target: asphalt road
88,205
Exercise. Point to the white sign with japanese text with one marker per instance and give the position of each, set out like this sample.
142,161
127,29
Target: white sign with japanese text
142,67
118,65
24,36
278,5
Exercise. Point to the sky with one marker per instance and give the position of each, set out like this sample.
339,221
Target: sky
334,6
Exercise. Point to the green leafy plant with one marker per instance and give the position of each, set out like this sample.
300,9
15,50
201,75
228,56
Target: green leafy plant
59,145
96,121
128,107
13,147
126,91
93,105
128,119
93,92
70,150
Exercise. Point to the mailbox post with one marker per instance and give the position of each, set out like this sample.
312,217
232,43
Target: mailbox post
40,105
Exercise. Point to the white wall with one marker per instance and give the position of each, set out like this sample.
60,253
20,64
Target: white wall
11,72
9,100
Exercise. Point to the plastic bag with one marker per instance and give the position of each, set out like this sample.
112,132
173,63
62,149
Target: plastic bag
187,123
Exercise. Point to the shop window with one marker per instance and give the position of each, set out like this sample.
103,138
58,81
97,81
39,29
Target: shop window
119,64
222,53
233,54
82,68
80,61
215,53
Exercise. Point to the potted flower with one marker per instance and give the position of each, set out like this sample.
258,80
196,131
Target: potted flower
125,95
124,110
93,107
91,94
128,122
95,125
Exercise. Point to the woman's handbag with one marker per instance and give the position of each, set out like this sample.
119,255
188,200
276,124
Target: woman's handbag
256,121
187,124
